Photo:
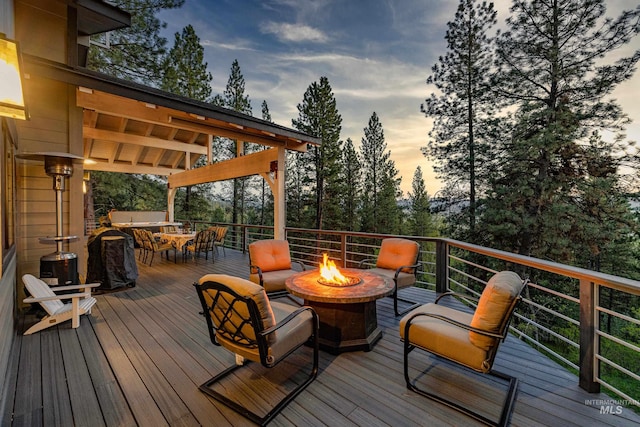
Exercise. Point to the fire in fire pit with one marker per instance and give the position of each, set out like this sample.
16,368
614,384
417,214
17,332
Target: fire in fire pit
331,276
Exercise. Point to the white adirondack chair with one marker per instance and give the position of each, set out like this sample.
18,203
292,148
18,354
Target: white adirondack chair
57,311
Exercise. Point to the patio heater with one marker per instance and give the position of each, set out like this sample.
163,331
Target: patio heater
59,267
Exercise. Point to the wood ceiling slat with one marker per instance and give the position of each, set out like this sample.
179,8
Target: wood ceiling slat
143,140
128,168
126,135
123,124
175,159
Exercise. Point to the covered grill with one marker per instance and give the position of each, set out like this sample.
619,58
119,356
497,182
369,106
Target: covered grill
112,259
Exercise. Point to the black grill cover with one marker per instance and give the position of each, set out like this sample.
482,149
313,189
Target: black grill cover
112,259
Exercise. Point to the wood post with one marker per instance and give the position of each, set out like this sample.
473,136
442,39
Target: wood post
589,341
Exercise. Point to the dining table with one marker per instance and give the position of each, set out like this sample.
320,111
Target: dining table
178,240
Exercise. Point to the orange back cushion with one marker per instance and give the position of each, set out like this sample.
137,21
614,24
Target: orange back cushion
493,306
396,252
270,255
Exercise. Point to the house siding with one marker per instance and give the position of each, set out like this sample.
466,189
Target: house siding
53,115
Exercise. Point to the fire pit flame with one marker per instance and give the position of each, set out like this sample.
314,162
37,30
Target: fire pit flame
331,276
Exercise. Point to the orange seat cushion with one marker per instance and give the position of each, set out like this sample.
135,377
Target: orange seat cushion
443,338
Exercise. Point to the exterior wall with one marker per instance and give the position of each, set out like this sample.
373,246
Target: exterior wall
41,28
7,320
47,130
55,124
7,227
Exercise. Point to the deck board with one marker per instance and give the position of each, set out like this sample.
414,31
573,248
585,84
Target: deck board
84,405
139,358
54,393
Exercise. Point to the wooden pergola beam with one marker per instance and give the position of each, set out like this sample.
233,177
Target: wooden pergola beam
250,164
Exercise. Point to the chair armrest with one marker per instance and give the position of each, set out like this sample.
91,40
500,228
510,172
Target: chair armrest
290,317
457,295
257,269
57,297
402,267
367,261
71,287
453,322
300,263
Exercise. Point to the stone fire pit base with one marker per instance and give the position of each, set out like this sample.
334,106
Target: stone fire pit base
347,327
348,318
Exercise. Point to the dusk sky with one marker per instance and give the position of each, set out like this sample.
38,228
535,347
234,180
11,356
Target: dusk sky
376,54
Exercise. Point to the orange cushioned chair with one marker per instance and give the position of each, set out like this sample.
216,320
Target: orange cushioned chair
469,340
241,319
397,260
271,265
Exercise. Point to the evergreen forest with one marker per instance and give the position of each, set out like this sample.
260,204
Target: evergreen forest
526,139
519,118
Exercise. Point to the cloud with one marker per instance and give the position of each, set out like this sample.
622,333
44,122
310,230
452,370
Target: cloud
227,46
298,33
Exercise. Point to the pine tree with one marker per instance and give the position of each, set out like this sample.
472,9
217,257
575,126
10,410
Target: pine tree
351,178
381,186
420,220
318,116
127,192
185,74
297,199
185,71
134,53
234,98
460,139
555,171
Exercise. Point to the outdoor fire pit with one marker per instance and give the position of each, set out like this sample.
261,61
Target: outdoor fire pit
330,275
346,307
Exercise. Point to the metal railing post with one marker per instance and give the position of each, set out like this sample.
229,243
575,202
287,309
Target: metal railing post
442,266
589,347
343,249
244,239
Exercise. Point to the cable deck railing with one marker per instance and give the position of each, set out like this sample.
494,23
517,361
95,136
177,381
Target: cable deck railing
585,320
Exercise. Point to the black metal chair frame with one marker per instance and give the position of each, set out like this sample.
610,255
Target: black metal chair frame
200,243
510,397
394,295
261,342
151,245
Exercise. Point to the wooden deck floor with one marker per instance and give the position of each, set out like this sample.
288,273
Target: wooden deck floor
139,358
